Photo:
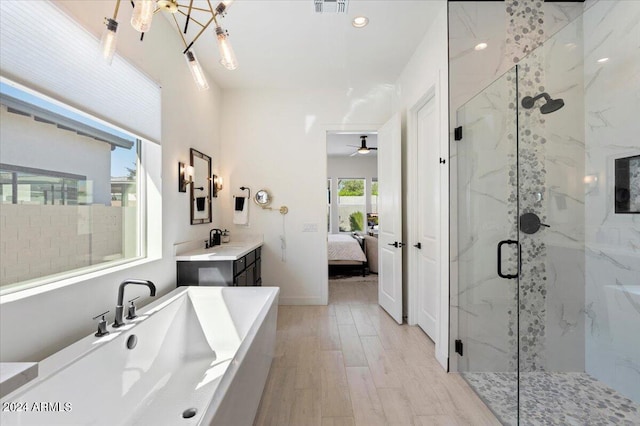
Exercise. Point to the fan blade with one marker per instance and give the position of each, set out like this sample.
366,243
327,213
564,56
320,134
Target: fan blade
373,147
354,146
354,153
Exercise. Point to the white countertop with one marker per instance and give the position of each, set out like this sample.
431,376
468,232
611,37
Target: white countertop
225,251
15,374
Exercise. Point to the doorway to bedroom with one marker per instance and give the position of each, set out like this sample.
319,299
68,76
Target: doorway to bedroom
352,216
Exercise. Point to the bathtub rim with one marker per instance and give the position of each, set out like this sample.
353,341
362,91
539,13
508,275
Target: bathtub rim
67,356
232,370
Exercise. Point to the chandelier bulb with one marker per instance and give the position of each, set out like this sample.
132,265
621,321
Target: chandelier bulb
108,40
196,70
227,56
143,15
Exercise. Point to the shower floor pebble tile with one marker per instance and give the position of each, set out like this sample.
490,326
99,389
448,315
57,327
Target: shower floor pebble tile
554,399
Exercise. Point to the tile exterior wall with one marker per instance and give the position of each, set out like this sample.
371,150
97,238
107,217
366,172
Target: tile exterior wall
36,241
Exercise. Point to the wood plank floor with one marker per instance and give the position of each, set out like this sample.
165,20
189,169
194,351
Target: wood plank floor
349,364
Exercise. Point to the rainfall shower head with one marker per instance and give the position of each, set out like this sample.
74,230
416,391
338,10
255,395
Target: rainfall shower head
551,105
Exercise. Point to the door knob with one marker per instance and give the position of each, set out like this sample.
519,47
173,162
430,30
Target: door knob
395,244
418,246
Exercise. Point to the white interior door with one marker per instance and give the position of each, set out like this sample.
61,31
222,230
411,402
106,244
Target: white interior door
390,218
428,218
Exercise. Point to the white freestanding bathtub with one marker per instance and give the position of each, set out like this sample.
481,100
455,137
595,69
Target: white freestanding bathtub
203,349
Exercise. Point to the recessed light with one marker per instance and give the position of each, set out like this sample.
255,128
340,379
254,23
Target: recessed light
360,21
603,60
481,46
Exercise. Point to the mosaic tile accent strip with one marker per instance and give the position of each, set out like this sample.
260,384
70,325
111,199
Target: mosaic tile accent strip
634,184
525,34
554,399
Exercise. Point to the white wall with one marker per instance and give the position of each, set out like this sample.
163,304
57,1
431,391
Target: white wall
189,119
64,151
365,167
276,139
427,70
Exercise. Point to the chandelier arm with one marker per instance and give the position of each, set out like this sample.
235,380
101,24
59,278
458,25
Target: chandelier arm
192,18
115,12
179,32
184,6
199,34
212,10
186,23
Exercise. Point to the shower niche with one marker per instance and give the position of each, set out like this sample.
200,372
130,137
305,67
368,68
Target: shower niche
627,185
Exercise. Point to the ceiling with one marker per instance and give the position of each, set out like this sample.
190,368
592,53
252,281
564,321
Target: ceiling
284,44
338,143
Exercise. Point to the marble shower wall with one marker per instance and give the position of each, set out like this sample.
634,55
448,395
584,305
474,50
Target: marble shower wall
484,302
612,130
552,167
473,22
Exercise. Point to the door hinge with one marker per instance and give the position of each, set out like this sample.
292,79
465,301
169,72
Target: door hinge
459,347
457,133
442,160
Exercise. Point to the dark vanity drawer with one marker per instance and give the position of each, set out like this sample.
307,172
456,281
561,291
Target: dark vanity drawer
250,258
258,252
239,265
240,280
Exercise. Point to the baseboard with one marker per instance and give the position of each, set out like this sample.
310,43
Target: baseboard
300,301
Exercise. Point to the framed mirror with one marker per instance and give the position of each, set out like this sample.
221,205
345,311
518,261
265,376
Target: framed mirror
262,198
200,188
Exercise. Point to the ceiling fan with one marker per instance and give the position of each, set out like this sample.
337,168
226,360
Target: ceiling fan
363,148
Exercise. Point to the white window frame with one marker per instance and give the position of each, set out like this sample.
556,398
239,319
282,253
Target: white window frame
149,195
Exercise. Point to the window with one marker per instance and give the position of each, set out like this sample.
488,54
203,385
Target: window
329,205
351,204
374,195
69,191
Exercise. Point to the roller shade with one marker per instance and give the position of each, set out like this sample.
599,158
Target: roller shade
43,48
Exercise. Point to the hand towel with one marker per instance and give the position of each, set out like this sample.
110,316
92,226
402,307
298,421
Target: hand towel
241,211
200,203
239,204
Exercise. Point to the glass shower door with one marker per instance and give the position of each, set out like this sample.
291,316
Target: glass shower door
487,210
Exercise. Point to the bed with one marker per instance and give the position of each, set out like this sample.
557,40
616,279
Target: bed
346,250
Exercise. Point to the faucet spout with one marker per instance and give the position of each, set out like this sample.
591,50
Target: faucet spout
119,322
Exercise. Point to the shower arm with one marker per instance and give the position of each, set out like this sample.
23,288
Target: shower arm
541,95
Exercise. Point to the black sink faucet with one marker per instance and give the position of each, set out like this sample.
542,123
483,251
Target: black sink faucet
214,237
119,322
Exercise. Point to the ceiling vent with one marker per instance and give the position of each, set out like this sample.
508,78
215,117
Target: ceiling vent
331,6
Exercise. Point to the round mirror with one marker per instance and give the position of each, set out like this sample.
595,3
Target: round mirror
262,198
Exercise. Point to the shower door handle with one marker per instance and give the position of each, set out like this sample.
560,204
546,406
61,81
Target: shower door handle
500,274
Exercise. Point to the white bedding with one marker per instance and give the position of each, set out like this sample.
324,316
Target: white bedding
345,247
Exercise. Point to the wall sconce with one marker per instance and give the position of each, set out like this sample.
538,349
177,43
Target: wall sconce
185,176
218,183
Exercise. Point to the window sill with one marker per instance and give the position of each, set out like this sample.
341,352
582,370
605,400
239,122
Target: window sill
37,287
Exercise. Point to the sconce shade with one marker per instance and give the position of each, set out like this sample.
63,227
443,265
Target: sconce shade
217,185
185,176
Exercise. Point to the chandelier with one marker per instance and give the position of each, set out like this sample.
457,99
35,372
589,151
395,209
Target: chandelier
143,11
